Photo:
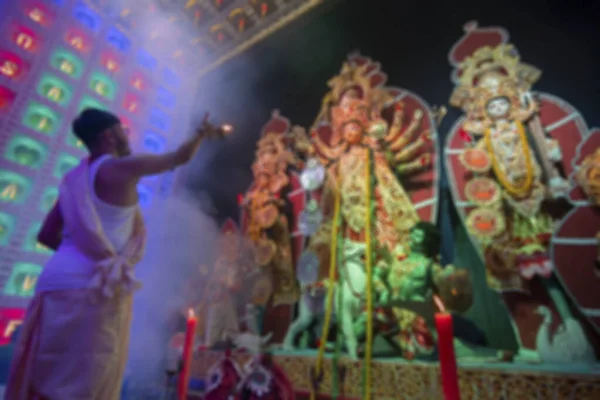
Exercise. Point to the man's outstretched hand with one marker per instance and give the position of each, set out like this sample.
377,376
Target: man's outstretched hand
206,130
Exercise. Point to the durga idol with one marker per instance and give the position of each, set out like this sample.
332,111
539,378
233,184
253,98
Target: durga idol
362,200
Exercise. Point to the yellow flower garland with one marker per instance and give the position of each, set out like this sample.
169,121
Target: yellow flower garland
369,271
369,289
519,191
331,287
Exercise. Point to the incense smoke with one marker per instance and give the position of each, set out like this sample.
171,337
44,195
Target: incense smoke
180,239
182,231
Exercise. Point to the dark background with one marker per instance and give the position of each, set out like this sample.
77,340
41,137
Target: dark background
411,39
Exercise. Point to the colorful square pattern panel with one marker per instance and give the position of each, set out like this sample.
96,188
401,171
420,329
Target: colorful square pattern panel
10,320
26,151
7,226
22,280
14,188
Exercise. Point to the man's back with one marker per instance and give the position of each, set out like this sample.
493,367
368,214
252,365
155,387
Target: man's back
70,267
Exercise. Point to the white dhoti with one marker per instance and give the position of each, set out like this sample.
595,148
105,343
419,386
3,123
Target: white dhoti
71,348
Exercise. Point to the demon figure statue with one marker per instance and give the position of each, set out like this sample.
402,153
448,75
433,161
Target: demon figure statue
509,158
405,288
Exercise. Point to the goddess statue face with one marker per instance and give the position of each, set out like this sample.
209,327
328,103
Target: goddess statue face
350,94
353,133
262,181
268,153
498,107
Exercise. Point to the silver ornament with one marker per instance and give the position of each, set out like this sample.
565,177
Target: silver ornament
310,218
259,381
313,175
307,271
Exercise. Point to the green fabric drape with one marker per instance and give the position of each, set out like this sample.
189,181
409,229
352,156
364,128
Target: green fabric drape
488,312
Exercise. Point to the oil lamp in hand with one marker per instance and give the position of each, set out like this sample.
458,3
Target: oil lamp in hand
211,131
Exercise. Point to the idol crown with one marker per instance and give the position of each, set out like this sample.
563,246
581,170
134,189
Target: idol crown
350,77
483,50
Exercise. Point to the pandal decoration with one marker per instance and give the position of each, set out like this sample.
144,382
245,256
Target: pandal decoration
482,191
313,175
307,271
588,177
422,381
223,378
265,380
476,160
260,376
310,218
598,256
259,380
485,224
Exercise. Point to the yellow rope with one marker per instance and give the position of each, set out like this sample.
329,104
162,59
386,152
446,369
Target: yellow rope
330,288
516,190
368,267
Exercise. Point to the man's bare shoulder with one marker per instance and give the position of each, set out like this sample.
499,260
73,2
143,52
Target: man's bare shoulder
114,171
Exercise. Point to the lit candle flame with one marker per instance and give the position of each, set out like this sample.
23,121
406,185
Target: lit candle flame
191,313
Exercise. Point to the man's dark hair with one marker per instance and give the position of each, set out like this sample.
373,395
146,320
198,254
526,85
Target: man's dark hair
91,123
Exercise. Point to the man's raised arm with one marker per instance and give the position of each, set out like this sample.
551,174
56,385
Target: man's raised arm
135,167
132,168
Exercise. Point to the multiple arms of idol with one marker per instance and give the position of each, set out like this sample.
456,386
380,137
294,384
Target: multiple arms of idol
403,143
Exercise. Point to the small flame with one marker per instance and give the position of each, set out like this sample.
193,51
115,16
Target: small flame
191,313
227,128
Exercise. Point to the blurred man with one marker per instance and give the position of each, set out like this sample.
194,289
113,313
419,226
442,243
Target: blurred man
74,340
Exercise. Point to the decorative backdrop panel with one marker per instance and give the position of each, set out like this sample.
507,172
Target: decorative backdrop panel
57,58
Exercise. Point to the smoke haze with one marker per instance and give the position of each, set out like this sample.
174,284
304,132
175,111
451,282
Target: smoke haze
180,239
182,230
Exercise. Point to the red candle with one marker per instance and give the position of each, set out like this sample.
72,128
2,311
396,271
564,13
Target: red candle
443,324
188,349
